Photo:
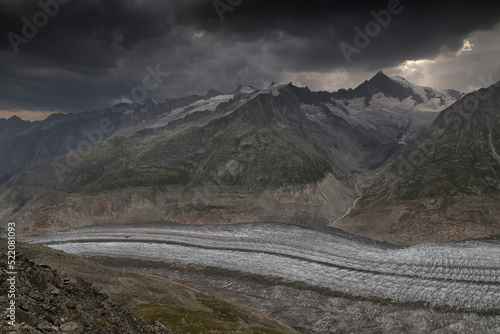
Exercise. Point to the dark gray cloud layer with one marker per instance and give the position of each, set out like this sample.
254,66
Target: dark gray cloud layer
91,52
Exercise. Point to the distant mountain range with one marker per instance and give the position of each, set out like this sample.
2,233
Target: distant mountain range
25,144
281,153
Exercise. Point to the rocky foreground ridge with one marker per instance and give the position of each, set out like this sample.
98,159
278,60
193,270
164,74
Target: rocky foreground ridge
61,293
48,302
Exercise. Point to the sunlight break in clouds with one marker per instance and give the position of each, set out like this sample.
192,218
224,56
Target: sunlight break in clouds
422,71
462,70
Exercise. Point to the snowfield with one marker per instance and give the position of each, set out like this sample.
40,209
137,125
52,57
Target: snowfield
464,275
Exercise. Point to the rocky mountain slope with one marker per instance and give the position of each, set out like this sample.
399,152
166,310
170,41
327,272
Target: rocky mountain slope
444,185
49,303
24,144
281,153
81,296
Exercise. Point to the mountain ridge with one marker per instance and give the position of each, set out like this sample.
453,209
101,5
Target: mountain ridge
282,153
444,185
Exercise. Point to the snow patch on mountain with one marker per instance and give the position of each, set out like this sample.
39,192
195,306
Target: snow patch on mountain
399,79
314,113
202,105
273,89
433,99
247,90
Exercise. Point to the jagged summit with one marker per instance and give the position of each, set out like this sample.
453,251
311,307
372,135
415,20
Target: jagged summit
397,87
15,119
380,74
380,83
211,93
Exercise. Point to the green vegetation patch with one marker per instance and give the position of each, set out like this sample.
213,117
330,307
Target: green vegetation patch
142,176
223,318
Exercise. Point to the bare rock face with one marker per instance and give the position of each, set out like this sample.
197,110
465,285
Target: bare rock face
315,204
49,303
436,219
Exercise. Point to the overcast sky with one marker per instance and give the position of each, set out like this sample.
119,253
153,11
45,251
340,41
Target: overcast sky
86,54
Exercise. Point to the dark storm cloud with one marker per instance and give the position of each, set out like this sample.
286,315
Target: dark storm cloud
423,29
94,51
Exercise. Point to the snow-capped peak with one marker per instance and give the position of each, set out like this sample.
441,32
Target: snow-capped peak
425,95
209,104
399,79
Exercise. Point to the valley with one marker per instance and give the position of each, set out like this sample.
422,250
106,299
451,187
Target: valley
250,167
241,261
324,211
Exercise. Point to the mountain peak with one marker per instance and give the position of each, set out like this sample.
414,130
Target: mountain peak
379,83
399,88
211,93
381,78
16,120
380,74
